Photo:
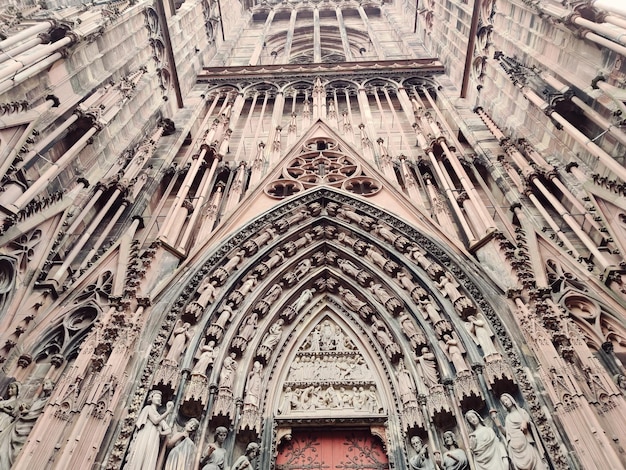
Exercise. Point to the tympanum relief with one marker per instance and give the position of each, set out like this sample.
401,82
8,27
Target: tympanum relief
328,375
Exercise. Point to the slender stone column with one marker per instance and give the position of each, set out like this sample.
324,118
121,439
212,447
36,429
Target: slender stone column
317,38
171,228
25,34
25,60
7,160
612,32
344,35
205,186
62,271
56,168
607,160
371,33
29,72
256,54
25,46
48,140
289,40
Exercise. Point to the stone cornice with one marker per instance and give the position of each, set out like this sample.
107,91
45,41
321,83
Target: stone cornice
425,66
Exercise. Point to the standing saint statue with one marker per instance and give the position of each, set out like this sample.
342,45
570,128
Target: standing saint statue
214,457
144,449
488,451
482,335
14,436
183,452
521,436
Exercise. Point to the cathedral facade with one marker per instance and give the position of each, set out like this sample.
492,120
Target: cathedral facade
306,234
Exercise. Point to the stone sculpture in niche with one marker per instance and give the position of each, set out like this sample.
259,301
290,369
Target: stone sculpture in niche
8,406
406,386
214,457
427,368
454,352
521,437
488,451
180,336
482,335
13,437
421,460
208,353
378,327
410,329
208,292
270,340
224,402
151,425
252,397
244,462
245,333
454,458
183,449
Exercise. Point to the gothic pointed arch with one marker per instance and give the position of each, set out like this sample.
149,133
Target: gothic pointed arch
415,315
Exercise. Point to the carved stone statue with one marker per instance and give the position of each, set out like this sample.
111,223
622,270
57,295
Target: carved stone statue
305,297
253,386
151,425
227,374
244,462
521,437
214,457
271,339
427,367
410,329
453,458
183,452
178,341
421,459
208,354
454,353
482,335
14,436
384,338
488,451
8,407
406,386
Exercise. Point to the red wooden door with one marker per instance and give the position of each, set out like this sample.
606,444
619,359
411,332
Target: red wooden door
324,449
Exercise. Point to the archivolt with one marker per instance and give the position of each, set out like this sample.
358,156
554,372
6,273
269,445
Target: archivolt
259,271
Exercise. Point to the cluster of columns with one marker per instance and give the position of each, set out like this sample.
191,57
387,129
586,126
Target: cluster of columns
278,56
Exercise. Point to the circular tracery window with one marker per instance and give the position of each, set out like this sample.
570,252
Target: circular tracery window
321,162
